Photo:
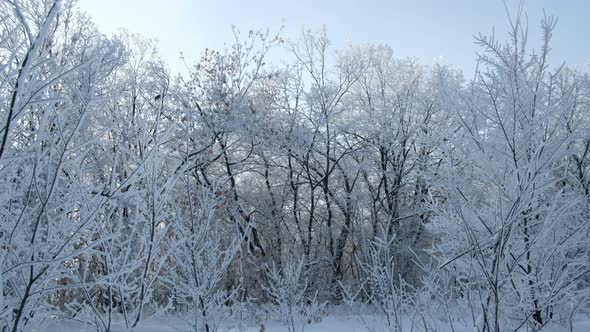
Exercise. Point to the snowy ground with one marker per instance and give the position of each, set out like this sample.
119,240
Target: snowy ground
332,323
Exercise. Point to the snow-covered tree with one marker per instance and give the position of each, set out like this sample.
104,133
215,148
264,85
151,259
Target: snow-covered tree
293,302
511,227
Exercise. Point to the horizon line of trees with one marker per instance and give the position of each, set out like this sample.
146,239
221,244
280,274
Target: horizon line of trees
343,176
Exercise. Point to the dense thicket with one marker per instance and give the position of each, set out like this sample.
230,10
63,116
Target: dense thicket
345,175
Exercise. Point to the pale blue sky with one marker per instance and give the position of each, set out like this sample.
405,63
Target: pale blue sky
426,29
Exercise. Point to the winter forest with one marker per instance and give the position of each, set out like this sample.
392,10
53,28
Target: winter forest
341,188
